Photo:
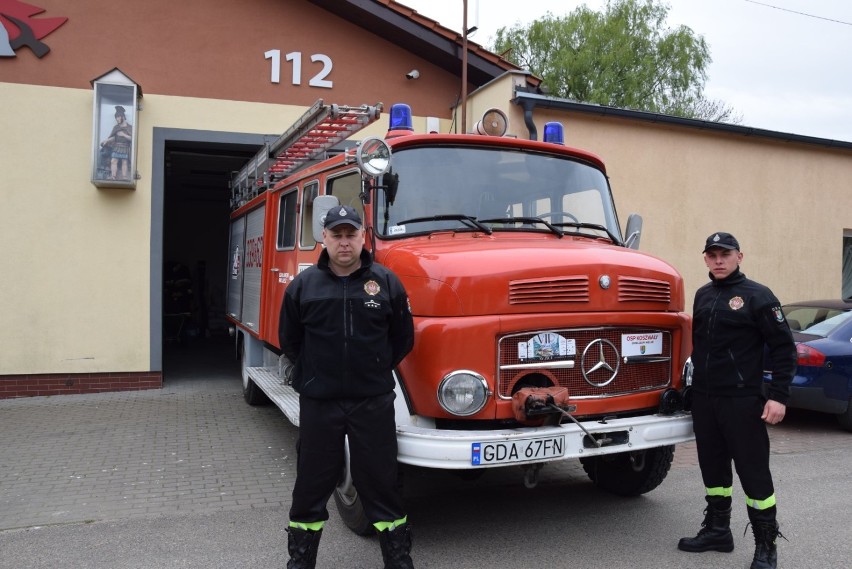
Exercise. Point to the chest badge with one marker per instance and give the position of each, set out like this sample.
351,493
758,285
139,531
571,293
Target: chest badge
736,303
372,288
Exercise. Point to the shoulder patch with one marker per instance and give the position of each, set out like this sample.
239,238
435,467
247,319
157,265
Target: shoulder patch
779,315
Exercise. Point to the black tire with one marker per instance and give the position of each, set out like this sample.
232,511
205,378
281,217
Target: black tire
251,392
349,504
630,473
845,419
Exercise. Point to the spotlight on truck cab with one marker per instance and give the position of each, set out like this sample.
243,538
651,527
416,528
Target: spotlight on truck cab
373,156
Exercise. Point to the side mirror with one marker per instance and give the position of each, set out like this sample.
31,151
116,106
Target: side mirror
373,156
633,231
321,206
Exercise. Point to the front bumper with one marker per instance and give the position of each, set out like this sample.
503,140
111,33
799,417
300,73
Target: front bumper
452,450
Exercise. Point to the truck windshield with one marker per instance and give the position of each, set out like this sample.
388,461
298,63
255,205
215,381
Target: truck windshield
462,188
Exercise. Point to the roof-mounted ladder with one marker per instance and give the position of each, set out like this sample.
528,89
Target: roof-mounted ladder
319,129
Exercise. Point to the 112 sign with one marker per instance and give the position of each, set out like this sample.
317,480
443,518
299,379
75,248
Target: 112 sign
295,58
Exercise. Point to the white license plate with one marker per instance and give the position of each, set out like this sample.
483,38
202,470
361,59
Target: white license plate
505,452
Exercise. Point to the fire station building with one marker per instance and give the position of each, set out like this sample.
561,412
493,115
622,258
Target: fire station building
121,127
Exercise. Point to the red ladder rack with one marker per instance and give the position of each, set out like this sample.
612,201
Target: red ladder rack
319,129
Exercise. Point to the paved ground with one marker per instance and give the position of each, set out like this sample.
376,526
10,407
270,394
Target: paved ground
196,448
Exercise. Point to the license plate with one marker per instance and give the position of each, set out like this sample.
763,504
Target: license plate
517,451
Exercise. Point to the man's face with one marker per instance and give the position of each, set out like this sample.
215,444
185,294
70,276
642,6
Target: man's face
722,262
344,244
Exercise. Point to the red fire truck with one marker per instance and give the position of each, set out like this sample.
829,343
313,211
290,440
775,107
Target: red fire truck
542,334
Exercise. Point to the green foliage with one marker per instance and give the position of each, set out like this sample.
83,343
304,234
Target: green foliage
624,57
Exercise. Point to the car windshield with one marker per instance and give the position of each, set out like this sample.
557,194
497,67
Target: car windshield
815,320
459,188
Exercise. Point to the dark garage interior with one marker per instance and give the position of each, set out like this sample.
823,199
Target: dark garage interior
196,208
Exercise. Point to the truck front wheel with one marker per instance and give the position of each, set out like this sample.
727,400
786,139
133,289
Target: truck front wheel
251,392
630,473
349,504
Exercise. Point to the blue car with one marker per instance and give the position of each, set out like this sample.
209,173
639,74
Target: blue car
822,330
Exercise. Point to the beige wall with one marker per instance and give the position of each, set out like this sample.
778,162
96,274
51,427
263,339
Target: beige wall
74,289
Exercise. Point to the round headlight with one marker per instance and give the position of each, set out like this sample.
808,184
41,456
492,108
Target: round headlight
463,393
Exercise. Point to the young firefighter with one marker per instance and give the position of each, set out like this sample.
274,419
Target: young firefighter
345,324
734,320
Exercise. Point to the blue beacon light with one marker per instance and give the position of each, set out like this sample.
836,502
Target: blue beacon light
400,121
554,133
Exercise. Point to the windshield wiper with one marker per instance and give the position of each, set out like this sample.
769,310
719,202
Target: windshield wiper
468,220
582,225
558,232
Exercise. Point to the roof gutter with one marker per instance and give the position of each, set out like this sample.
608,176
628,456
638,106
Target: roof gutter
530,101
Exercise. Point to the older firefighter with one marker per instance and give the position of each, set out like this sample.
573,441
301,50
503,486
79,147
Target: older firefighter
346,324
734,320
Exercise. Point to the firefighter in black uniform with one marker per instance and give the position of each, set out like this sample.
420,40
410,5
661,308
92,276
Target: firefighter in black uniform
734,321
345,324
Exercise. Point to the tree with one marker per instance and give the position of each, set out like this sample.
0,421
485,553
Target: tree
624,57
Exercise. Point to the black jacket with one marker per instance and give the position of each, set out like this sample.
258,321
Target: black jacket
734,320
345,335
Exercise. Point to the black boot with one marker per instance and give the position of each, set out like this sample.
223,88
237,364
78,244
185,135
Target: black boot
715,533
766,532
396,547
765,548
302,546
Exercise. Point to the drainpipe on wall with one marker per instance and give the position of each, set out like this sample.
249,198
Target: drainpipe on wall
528,107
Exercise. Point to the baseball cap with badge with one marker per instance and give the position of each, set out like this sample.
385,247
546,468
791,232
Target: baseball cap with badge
723,241
340,215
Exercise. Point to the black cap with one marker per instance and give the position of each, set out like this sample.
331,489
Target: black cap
340,215
722,241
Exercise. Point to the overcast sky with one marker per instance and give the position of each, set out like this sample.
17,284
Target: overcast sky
783,65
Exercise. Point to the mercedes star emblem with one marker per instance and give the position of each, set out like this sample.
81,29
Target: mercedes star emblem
595,362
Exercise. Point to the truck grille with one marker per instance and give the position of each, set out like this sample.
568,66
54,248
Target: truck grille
635,374
576,289
632,289
563,289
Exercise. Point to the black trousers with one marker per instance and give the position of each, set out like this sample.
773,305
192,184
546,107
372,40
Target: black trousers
730,429
370,426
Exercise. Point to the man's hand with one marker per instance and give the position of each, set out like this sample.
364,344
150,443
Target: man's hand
773,412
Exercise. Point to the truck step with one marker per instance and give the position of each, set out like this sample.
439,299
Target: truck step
283,395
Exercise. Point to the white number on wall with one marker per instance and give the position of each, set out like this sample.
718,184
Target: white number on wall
295,57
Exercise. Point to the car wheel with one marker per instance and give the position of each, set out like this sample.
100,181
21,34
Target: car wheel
630,473
845,419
